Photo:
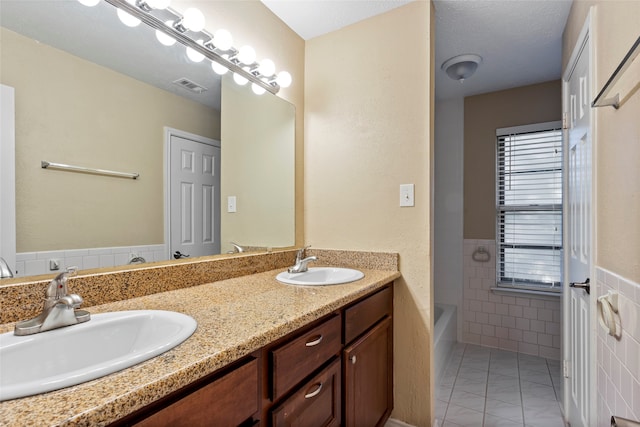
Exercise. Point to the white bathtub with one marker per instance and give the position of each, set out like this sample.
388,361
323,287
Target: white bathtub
445,333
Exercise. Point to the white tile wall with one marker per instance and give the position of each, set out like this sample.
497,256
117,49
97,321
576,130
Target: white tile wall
34,263
517,323
618,363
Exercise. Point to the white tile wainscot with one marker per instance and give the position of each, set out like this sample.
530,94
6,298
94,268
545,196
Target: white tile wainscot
34,263
524,324
619,360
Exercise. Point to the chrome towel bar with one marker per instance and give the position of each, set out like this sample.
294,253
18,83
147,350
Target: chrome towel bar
61,166
623,422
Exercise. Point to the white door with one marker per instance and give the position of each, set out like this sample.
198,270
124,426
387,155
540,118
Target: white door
194,197
577,306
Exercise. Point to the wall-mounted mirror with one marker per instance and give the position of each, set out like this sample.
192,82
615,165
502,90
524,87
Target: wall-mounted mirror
92,92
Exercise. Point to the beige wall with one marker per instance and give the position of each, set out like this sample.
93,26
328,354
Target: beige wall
257,168
368,126
252,23
69,110
483,114
617,136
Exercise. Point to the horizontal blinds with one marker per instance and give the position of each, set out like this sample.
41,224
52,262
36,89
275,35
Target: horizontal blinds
529,208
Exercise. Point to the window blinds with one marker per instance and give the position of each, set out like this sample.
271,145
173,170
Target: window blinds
529,208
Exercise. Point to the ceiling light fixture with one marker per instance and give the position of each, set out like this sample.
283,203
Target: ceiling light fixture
462,67
189,30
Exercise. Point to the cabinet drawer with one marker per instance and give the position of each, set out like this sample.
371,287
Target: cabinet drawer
316,403
298,358
361,316
227,401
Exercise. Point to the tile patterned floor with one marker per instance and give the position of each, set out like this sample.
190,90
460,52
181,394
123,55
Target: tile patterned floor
488,387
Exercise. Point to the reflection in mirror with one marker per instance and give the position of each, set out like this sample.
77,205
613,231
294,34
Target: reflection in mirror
99,106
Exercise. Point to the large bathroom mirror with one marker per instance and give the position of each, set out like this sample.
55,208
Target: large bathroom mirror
92,92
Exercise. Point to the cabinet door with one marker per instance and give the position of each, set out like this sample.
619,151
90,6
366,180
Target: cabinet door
226,402
315,404
368,377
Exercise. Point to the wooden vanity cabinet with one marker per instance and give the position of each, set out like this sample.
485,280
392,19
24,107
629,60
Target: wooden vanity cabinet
336,371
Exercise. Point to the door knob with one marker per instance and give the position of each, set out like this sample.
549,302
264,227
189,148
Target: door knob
582,285
179,255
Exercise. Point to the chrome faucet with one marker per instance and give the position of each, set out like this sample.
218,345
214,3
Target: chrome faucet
301,263
236,248
59,308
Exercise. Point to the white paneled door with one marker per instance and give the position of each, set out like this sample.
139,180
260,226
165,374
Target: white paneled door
194,197
577,307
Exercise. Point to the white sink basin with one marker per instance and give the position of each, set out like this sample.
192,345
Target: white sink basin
68,356
321,276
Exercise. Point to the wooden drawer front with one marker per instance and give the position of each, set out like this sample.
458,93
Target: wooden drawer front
361,316
317,403
300,357
226,402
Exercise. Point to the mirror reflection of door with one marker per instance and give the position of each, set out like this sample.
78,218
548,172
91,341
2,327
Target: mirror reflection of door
7,177
194,195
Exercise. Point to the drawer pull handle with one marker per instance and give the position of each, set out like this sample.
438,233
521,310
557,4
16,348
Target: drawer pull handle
314,393
353,359
314,342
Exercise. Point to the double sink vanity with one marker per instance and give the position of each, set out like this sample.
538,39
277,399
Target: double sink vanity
263,352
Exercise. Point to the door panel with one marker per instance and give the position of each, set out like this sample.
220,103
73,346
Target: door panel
579,216
194,197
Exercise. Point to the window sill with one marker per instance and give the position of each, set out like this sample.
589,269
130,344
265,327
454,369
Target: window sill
550,296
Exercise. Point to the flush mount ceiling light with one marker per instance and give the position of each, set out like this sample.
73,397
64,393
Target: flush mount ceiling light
462,67
188,29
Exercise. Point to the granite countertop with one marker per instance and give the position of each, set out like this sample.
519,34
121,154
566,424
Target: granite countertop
235,317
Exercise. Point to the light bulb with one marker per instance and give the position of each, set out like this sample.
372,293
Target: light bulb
219,68
222,39
89,3
239,79
159,4
193,19
166,39
283,79
194,55
257,89
127,19
267,68
247,55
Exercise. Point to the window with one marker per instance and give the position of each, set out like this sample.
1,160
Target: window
529,207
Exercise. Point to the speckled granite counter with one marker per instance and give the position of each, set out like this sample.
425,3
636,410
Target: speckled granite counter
235,317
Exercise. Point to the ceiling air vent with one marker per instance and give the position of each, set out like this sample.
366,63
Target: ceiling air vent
189,85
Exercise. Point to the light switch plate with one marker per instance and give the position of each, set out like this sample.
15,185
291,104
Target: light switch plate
406,195
231,204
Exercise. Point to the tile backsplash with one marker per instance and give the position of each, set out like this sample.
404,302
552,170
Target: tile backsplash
522,323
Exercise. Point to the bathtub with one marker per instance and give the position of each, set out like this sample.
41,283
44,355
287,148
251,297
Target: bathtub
445,334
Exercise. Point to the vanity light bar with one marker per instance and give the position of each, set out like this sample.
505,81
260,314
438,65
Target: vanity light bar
143,13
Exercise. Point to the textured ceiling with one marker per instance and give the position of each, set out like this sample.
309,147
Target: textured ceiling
312,18
519,40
